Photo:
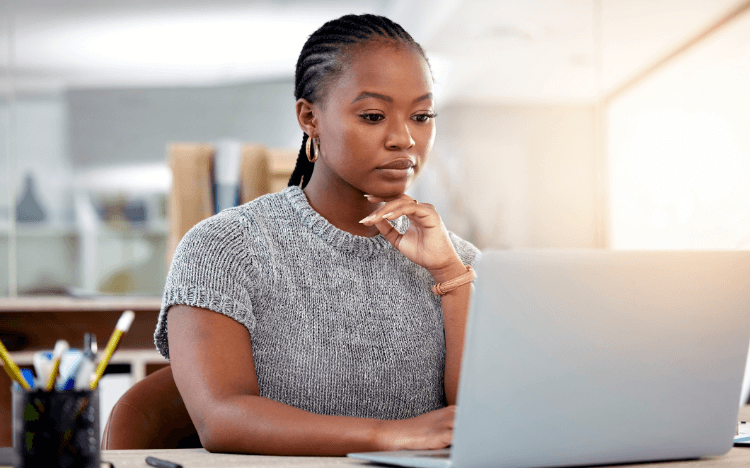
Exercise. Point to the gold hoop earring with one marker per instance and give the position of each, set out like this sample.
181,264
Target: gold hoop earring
316,150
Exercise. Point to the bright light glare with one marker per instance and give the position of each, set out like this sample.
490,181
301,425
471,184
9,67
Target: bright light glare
680,184
131,178
188,46
679,152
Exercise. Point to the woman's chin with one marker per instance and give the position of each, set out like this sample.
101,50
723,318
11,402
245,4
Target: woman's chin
389,190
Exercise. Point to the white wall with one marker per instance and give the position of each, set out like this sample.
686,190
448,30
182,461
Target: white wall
525,174
679,151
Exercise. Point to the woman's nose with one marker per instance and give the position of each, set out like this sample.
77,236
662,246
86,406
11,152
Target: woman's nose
399,137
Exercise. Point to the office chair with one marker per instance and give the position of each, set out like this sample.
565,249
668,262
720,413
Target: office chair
150,415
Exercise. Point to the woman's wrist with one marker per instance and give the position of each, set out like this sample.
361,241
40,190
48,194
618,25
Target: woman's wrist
384,437
454,269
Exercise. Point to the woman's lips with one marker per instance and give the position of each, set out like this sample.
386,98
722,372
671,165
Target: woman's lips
399,164
397,169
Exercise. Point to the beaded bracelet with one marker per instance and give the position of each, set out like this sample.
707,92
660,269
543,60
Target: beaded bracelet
446,286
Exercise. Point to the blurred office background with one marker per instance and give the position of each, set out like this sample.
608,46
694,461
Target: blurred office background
618,124
576,124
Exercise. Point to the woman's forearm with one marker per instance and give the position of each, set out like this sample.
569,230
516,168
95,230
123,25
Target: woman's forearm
455,311
253,424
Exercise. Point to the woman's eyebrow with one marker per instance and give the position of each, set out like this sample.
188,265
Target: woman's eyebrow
383,97
367,94
422,98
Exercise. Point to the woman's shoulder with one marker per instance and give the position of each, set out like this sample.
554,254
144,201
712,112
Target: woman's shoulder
467,251
234,241
248,217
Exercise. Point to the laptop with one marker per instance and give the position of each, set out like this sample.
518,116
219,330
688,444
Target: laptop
598,357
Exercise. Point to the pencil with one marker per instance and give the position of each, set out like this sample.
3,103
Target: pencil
122,327
11,368
61,347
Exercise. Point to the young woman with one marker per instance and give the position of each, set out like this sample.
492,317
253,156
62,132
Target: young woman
329,338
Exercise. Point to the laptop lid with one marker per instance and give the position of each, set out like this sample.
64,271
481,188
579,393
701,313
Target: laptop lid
745,395
594,357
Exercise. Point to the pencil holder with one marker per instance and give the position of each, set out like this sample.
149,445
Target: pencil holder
56,429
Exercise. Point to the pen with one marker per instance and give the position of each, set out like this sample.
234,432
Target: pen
11,368
42,366
89,345
161,463
86,369
68,369
28,376
61,347
122,327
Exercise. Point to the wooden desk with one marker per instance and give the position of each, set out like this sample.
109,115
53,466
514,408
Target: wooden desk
194,458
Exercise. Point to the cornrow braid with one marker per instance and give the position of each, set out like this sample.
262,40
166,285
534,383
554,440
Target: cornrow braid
321,61
303,169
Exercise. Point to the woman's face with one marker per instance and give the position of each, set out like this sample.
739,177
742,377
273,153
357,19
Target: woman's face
376,126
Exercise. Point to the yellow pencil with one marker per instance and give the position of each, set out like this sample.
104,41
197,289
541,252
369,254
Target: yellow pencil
122,327
61,347
11,368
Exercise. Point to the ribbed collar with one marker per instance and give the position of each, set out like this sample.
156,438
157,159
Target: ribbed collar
340,240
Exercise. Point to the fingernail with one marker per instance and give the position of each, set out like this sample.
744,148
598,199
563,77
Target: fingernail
367,195
388,215
364,220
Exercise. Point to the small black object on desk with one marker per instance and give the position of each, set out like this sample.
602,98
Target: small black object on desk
161,463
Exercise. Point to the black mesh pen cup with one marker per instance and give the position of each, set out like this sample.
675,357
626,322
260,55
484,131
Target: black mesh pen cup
56,429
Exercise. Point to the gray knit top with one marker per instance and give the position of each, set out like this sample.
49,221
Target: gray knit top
340,324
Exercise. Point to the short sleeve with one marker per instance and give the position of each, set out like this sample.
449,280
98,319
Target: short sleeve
468,253
214,267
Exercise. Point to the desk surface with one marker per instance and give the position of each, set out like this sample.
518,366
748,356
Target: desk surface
190,458
194,458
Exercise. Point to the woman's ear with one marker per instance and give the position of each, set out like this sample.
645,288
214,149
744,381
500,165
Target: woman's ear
306,118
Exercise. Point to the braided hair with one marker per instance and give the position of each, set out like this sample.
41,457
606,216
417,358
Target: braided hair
322,61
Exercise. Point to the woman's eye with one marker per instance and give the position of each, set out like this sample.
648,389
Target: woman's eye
424,117
372,118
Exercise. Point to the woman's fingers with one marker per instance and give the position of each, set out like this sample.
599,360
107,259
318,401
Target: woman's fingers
425,242
388,231
400,206
374,199
431,430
